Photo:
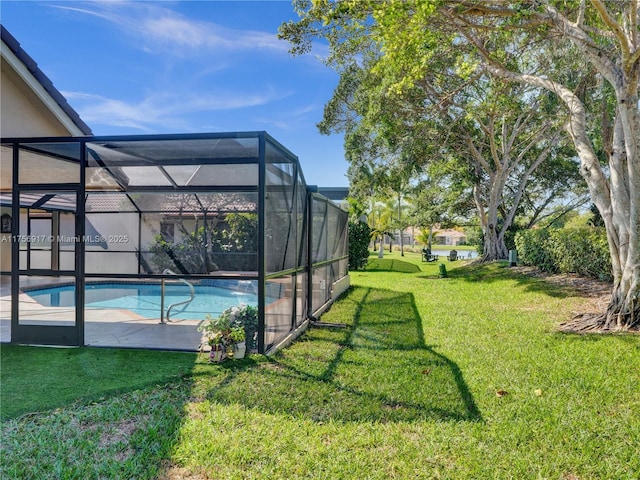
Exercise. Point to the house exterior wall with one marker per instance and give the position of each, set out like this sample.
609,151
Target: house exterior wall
450,239
30,106
22,112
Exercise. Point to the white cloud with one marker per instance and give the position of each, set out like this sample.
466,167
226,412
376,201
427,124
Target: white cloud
170,30
311,108
161,30
162,110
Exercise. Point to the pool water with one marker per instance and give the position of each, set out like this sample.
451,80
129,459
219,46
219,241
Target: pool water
145,299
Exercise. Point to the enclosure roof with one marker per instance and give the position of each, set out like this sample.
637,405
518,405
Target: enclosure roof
152,151
337,194
180,163
173,204
51,202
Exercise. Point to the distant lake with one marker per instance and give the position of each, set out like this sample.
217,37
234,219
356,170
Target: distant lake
461,253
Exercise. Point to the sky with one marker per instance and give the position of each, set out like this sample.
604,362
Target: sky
143,67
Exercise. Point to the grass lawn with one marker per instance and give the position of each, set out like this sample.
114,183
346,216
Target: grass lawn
460,377
35,378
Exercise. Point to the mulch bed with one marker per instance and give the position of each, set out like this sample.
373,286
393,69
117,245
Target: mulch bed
583,286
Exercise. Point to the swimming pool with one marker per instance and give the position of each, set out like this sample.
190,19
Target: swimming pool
145,298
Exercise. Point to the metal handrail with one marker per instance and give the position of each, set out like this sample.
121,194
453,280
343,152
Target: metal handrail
192,292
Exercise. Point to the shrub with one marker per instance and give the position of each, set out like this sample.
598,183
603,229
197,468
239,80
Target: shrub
568,250
233,325
228,245
584,251
533,248
359,238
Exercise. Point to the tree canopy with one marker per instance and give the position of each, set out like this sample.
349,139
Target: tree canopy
408,73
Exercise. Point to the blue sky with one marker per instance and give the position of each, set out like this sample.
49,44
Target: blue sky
142,67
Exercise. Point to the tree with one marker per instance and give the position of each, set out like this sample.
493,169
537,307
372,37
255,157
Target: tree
504,38
495,127
395,184
504,138
554,189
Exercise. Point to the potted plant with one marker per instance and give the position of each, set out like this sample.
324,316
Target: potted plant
215,332
218,351
231,333
238,345
247,316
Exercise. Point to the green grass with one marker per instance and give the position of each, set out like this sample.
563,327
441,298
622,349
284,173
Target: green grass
36,378
407,390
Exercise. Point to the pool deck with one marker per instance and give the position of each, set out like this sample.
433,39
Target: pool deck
121,328
103,327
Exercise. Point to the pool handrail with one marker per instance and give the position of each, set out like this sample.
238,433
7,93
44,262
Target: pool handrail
192,292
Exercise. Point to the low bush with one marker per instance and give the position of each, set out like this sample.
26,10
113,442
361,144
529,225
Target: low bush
533,248
584,251
568,250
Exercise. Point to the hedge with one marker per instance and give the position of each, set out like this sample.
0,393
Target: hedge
359,238
583,251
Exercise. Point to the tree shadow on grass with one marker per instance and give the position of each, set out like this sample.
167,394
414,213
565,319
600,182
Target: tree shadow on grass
95,413
378,369
500,272
391,265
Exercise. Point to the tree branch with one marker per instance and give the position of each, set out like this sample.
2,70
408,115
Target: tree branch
578,36
616,28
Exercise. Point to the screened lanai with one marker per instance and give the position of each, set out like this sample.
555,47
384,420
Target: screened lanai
132,241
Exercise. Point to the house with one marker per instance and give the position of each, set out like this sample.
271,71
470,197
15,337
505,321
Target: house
30,106
450,237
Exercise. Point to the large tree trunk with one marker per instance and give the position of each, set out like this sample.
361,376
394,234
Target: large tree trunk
494,246
487,207
491,249
505,156
623,311
617,198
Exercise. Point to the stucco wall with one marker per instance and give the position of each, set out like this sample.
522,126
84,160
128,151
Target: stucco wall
22,114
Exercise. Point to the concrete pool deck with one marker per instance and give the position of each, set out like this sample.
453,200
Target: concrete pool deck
103,327
120,328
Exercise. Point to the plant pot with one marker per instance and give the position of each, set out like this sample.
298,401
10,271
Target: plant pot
239,350
218,353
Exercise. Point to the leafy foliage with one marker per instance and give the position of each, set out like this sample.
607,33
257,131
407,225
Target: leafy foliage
233,325
412,99
188,256
534,249
584,251
359,237
231,244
